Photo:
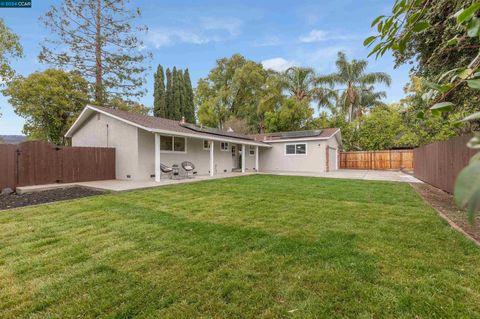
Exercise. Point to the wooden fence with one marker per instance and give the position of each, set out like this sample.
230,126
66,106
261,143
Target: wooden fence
379,160
37,163
439,163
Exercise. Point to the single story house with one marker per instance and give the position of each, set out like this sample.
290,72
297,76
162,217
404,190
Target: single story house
143,142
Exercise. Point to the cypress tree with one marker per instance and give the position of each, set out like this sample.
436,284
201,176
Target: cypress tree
176,95
159,94
189,107
169,96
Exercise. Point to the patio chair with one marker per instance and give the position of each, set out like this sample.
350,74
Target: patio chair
188,167
166,170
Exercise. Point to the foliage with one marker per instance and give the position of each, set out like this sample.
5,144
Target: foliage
97,39
292,115
327,248
397,30
177,100
356,93
159,94
49,101
10,48
129,106
238,125
232,88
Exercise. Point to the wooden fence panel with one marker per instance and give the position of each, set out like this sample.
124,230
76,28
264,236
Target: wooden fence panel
377,160
37,163
8,159
439,163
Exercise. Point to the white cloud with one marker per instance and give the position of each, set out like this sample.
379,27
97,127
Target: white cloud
278,64
314,36
271,41
206,30
230,25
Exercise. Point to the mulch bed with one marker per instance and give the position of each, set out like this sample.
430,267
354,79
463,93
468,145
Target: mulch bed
444,203
16,200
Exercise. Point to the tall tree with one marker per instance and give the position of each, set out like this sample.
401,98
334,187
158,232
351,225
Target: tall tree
10,48
232,88
355,85
169,113
299,82
176,95
49,101
159,94
189,107
97,39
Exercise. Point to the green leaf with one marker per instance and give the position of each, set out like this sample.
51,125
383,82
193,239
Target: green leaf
443,107
473,28
369,40
420,26
466,14
413,17
421,115
465,73
453,41
471,117
438,87
376,20
474,142
474,84
467,189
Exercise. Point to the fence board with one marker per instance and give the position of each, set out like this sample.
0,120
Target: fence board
8,160
37,163
377,160
439,163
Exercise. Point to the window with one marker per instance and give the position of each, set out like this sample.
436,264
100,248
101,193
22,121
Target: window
206,145
173,144
251,150
296,149
224,146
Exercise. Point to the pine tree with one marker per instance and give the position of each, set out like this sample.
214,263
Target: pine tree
159,94
169,113
189,106
97,39
176,93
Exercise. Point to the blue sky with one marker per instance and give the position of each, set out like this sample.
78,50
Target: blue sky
194,34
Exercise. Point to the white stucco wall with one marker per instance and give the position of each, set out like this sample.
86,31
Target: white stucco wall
275,159
223,160
123,137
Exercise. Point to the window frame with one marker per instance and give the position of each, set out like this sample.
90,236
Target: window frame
225,149
295,147
173,144
206,148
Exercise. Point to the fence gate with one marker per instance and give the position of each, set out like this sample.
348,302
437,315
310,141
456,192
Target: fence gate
38,162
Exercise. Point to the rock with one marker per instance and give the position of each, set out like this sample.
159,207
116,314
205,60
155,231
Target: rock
7,191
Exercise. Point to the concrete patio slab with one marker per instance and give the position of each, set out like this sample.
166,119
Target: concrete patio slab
116,185
372,175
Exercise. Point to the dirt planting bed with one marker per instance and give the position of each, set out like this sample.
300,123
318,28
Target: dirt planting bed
17,200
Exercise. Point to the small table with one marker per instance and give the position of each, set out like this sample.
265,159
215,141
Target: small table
175,171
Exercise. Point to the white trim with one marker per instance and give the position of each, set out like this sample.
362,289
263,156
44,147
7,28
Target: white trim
243,158
295,144
212,150
173,145
165,132
158,172
203,145
256,159
225,150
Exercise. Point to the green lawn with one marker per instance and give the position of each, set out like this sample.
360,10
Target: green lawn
255,246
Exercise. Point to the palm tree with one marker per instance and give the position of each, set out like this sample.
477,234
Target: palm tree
302,83
299,82
357,87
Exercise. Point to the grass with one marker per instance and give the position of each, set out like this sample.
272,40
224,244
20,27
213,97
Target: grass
256,246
